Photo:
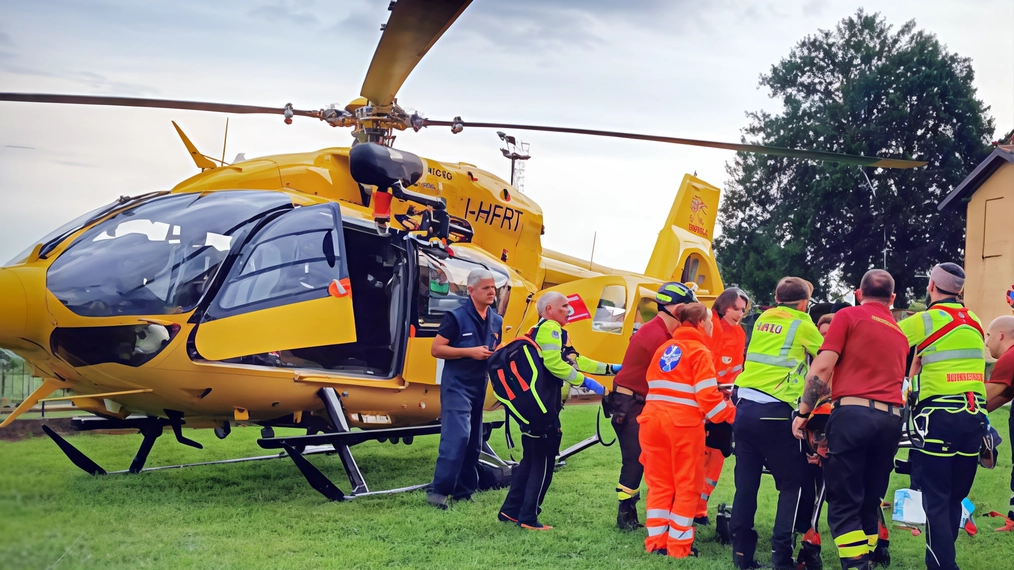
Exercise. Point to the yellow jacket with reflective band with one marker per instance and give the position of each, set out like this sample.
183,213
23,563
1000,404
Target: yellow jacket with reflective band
776,357
551,338
955,363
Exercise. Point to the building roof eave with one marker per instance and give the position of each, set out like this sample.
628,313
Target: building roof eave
982,172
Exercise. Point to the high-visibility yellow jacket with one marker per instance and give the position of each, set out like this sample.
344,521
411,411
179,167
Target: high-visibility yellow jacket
552,340
949,342
776,357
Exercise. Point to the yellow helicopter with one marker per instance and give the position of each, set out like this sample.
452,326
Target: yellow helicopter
304,290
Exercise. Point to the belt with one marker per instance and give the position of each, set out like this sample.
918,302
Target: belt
965,401
892,409
628,392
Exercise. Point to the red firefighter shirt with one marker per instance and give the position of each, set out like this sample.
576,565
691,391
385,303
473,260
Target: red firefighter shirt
642,347
871,353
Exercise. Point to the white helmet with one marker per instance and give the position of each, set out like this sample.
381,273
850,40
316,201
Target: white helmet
150,339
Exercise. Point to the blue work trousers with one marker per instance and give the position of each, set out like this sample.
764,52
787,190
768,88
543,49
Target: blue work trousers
946,480
531,478
763,435
456,474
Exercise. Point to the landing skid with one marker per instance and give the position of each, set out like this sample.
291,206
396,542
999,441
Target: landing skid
150,427
296,447
342,439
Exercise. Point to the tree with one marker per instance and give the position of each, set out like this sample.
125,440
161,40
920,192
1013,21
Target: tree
859,89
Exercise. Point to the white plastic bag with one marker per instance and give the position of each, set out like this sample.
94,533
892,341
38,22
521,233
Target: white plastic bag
908,507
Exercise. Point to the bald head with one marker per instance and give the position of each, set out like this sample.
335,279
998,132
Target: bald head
1000,335
877,286
554,306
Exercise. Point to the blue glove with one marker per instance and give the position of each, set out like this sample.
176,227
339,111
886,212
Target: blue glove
593,386
613,368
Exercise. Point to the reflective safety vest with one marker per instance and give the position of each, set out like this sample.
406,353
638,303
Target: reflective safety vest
776,357
559,357
681,379
949,342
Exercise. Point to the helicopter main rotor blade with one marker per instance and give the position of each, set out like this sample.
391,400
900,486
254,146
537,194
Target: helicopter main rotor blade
151,103
739,147
412,29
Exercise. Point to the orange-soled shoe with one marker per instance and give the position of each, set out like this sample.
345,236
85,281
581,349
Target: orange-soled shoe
505,518
536,526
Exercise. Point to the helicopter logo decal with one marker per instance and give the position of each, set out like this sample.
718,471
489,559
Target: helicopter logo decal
698,209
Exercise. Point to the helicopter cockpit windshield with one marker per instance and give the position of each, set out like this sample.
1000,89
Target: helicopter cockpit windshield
157,258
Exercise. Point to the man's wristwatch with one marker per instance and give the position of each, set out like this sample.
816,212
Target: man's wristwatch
802,415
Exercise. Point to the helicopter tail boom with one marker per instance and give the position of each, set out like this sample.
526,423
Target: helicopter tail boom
683,250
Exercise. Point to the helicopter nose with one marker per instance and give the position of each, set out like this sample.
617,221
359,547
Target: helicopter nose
13,308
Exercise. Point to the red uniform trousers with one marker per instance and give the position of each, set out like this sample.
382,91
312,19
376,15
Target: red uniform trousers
713,463
674,471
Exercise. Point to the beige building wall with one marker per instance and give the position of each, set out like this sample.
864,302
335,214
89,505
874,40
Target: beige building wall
989,246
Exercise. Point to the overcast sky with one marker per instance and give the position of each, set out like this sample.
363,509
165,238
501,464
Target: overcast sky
680,68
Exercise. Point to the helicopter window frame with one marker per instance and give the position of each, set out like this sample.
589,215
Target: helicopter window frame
221,306
427,327
89,277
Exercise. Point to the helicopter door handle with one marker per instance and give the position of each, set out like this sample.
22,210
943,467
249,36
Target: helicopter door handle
339,287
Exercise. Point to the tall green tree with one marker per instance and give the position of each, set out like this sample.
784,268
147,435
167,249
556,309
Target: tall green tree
861,88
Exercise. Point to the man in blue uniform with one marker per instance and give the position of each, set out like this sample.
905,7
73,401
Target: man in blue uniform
465,339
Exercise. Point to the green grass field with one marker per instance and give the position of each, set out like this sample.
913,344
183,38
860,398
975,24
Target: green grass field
264,515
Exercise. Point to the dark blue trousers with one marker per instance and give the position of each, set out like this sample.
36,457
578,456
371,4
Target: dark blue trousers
456,473
531,478
946,480
763,436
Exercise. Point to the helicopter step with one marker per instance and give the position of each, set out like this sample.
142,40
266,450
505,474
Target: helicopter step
343,438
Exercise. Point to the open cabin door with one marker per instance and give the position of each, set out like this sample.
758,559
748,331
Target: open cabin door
288,289
441,285
603,316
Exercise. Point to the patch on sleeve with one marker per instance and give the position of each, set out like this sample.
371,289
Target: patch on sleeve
555,334
670,358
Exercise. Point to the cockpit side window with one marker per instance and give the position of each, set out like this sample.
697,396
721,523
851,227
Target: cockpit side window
443,287
157,258
294,258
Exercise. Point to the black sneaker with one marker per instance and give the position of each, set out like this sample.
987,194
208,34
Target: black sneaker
660,552
702,521
438,501
504,518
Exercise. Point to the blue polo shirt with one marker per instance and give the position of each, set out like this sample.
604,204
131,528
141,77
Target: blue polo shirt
464,328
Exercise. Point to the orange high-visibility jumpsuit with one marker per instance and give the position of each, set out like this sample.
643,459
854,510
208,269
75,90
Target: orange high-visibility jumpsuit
682,393
728,347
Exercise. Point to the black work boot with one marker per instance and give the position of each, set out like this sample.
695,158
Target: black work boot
626,516
743,551
858,563
881,554
809,557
